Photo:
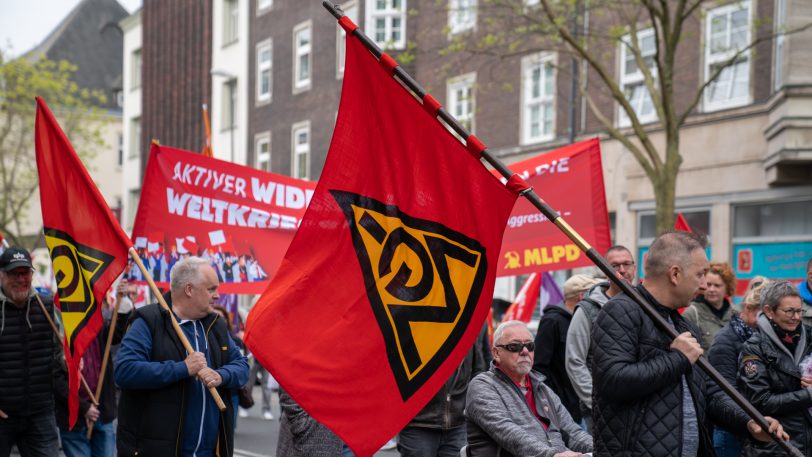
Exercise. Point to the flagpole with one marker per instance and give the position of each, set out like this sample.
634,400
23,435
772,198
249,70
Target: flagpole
175,325
105,358
56,332
473,144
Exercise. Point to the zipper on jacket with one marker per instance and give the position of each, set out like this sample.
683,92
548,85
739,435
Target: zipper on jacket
524,399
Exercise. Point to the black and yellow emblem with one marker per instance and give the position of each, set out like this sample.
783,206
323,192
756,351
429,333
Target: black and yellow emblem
76,268
422,279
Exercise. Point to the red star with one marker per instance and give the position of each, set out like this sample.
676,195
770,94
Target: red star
787,339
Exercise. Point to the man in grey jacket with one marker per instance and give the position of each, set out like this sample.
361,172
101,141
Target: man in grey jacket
579,335
510,412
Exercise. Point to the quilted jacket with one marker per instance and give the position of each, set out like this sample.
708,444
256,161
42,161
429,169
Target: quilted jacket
637,385
770,378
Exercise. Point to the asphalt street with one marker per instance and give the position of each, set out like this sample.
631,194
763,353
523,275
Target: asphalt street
256,436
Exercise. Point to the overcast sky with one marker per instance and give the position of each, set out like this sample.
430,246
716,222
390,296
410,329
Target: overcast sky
25,23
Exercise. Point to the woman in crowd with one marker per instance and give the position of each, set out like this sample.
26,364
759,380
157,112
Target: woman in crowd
724,356
712,310
770,372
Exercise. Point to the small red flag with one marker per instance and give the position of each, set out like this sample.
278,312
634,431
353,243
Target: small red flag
87,246
681,224
390,276
526,299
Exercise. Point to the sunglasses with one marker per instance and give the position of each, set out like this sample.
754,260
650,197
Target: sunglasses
517,347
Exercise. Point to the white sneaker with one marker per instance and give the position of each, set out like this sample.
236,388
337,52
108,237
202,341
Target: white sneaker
243,412
267,415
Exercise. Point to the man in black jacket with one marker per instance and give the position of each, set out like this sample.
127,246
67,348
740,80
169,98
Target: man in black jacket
551,342
28,359
648,399
165,407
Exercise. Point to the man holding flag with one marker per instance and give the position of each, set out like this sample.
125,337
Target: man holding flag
29,353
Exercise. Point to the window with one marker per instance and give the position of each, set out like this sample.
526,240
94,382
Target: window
229,104
351,11
135,69
231,21
387,20
773,219
264,71
698,220
538,97
132,205
300,135
263,6
461,15
461,102
631,78
778,54
120,151
727,30
302,56
135,138
262,151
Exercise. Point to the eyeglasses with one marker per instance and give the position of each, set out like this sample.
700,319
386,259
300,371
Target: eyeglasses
791,312
618,266
20,274
517,347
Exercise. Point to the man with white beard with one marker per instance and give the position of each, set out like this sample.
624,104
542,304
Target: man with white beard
509,410
28,359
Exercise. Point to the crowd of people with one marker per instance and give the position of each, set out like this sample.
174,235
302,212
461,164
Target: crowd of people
229,266
598,377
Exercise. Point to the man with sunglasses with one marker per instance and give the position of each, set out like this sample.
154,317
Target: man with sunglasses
510,412
29,353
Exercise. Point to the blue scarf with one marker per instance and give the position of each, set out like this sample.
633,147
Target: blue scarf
743,331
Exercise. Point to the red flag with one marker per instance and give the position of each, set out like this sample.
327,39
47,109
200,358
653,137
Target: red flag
87,246
389,278
207,150
681,224
526,299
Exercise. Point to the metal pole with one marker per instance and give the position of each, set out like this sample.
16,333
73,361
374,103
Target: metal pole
576,238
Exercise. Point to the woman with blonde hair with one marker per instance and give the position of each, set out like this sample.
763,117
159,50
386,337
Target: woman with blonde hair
724,356
712,310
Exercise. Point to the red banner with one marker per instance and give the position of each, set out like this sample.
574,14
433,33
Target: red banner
241,218
390,277
87,246
570,180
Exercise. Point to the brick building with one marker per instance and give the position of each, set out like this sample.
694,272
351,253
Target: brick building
746,175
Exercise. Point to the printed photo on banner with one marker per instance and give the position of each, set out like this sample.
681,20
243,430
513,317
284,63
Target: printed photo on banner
239,218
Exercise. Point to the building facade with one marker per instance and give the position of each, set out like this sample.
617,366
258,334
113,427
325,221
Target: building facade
746,173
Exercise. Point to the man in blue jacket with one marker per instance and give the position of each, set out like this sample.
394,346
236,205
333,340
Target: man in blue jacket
805,288
165,407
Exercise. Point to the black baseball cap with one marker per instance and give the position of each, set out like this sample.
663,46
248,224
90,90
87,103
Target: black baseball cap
15,257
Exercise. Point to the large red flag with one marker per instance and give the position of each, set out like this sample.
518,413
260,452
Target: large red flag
389,279
88,248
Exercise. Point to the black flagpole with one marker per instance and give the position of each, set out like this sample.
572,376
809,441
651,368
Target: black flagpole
590,252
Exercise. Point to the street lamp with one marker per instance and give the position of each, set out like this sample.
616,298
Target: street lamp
231,80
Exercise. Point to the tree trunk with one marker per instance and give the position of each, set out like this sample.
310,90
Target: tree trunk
665,186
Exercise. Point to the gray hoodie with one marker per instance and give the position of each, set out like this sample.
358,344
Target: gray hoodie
579,336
